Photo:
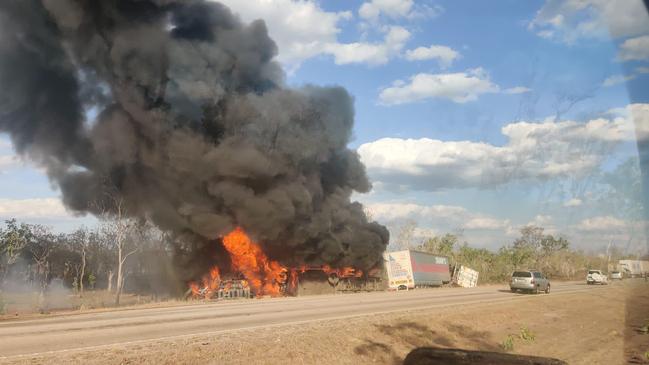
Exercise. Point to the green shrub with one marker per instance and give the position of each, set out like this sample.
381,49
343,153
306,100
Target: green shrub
508,343
3,305
92,279
526,335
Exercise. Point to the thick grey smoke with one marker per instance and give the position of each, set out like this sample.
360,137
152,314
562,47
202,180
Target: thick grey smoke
193,129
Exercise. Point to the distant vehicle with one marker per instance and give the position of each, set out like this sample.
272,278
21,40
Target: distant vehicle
529,281
633,268
409,269
596,277
616,275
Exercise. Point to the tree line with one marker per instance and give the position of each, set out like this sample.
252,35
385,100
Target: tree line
118,251
121,251
534,249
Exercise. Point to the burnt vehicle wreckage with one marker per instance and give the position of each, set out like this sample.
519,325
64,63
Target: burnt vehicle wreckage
250,273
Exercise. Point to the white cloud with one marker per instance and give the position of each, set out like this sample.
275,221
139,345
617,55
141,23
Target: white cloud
571,20
459,87
534,152
439,217
394,9
617,79
541,220
634,49
369,53
600,224
637,116
50,208
301,29
444,55
486,223
574,202
8,162
401,211
517,90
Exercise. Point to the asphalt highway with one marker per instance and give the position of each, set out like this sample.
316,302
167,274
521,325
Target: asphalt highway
92,330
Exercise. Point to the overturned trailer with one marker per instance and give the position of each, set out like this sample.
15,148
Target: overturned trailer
410,269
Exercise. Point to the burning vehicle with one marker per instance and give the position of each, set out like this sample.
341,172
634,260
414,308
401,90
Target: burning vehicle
175,112
254,275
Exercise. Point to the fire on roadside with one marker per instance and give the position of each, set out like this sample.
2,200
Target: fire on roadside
265,277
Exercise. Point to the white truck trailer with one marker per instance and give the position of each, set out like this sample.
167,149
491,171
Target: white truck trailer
408,269
633,268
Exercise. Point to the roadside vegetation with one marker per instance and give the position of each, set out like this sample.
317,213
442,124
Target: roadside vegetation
527,335
125,255
533,249
43,269
508,343
37,264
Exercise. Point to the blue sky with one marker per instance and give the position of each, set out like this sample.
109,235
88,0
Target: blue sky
477,117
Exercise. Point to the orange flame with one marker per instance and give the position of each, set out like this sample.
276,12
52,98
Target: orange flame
265,276
345,272
210,283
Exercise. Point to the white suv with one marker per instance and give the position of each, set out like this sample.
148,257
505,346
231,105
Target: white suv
596,277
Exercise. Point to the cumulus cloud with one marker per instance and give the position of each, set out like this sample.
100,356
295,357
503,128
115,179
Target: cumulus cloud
50,208
459,87
369,53
444,217
485,223
517,90
571,20
490,231
394,9
534,151
541,220
633,115
303,30
617,79
444,55
574,202
635,49
8,162
300,28
600,224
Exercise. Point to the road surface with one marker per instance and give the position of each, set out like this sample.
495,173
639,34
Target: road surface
95,330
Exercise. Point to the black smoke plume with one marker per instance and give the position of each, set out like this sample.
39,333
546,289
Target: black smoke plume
178,109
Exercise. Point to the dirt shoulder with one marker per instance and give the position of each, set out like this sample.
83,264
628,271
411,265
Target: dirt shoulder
27,306
586,327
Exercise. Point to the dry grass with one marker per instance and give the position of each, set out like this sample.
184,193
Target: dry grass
29,304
